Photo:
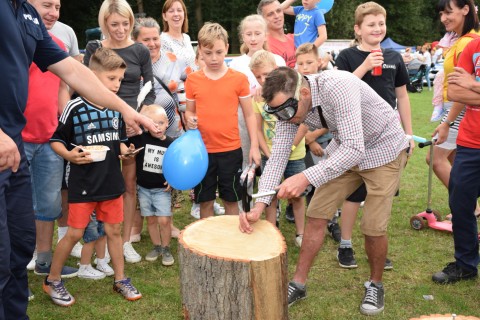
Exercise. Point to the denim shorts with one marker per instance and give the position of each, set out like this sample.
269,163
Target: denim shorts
154,202
293,167
46,170
94,230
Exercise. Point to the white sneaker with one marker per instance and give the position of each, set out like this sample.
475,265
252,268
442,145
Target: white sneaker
106,269
88,272
31,264
77,250
135,238
107,256
298,240
218,209
131,256
195,212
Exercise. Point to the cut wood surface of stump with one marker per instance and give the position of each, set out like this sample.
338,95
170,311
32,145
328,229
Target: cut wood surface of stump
226,274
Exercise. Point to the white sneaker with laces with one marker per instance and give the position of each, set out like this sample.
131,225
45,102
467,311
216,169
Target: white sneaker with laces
77,250
106,269
31,264
131,256
88,272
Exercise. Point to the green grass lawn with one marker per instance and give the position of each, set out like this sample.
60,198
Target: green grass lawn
333,293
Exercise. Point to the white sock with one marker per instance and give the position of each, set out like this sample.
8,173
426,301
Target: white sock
101,261
62,231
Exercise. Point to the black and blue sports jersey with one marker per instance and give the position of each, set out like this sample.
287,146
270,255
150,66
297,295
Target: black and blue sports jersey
82,123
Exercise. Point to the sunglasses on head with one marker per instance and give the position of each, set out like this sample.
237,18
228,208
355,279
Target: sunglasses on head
289,108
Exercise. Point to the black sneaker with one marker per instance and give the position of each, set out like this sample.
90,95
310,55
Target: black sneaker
346,258
388,265
295,293
289,213
335,232
373,301
453,273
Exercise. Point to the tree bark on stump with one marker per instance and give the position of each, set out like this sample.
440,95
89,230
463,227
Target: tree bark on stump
226,274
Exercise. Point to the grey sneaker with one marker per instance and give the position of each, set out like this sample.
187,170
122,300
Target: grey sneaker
167,258
44,270
126,289
373,301
154,254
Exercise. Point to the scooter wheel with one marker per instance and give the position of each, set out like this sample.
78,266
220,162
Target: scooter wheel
417,223
437,215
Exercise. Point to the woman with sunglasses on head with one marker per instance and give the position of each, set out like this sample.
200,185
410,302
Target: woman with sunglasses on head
368,146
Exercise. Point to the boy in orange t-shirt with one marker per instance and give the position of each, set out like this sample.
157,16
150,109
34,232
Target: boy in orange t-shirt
213,95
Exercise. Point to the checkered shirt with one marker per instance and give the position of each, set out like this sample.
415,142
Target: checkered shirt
366,131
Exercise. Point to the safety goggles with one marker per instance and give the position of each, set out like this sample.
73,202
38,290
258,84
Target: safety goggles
289,108
285,111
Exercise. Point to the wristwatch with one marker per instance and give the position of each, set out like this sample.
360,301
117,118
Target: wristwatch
450,123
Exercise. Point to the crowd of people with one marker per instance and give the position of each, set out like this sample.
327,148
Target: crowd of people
338,137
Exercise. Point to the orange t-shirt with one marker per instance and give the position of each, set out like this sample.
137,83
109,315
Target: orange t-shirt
216,104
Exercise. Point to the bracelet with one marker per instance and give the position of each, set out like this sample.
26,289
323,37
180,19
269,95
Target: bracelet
409,136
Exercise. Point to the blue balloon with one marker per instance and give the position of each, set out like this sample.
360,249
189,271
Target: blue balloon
325,5
185,162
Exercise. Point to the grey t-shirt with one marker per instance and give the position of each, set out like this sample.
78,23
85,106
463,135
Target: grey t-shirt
68,37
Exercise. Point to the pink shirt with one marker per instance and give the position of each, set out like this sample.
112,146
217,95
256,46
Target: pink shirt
41,111
285,49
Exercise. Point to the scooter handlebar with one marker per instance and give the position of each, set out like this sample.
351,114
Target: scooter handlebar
425,144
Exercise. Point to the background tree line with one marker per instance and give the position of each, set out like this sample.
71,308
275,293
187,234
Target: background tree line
409,22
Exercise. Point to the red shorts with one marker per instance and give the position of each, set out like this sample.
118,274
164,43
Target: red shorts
109,211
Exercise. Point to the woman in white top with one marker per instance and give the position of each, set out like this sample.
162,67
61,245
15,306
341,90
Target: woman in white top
175,27
253,36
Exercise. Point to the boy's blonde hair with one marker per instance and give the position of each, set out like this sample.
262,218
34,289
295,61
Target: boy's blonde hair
153,109
307,48
211,32
368,8
105,59
109,7
253,18
262,58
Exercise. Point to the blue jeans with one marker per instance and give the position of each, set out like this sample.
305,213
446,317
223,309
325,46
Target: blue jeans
46,170
17,238
155,202
293,167
94,229
464,189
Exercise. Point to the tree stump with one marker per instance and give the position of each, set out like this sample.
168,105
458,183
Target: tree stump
226,274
